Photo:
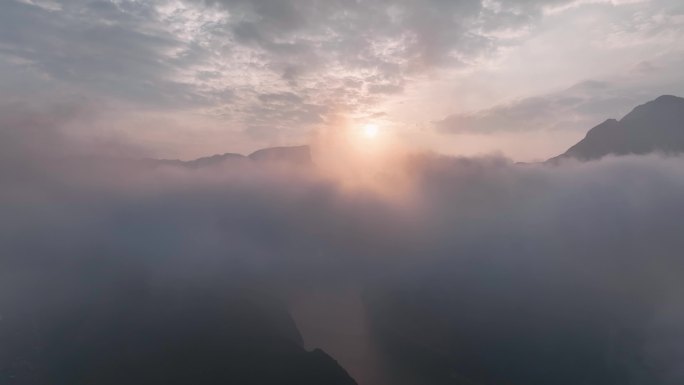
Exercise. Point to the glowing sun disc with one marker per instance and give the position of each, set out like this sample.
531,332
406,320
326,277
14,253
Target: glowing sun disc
370,130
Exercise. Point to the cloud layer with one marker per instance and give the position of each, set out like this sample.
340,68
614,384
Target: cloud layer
608,229
244,74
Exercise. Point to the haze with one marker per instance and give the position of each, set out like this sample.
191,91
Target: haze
465,192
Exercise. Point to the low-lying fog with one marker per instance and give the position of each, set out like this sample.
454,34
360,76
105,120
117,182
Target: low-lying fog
525,272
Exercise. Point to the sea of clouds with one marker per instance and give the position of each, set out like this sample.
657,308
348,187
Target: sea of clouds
78,223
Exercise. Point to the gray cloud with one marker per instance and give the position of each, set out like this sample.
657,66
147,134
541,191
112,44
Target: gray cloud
579,107
112,49
583,104
214,58
159,54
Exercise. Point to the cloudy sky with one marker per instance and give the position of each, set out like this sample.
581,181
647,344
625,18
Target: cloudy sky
186,78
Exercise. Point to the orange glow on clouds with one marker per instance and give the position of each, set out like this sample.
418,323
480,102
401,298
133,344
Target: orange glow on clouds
362,156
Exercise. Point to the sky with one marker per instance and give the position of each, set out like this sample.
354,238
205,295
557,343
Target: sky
188,78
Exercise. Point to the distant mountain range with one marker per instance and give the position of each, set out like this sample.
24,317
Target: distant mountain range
657,126
295,155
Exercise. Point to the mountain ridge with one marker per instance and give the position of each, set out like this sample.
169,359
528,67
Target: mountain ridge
655,126
294,155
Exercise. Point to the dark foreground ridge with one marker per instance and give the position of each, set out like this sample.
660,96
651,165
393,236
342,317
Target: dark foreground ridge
657,126
155,336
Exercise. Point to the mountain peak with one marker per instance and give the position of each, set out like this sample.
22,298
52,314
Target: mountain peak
668,99
655,126
299,155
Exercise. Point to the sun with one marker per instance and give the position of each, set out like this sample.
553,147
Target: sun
371,131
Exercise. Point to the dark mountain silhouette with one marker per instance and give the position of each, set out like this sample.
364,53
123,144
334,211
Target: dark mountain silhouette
135,334
657,126
299,155
207,161
294,155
